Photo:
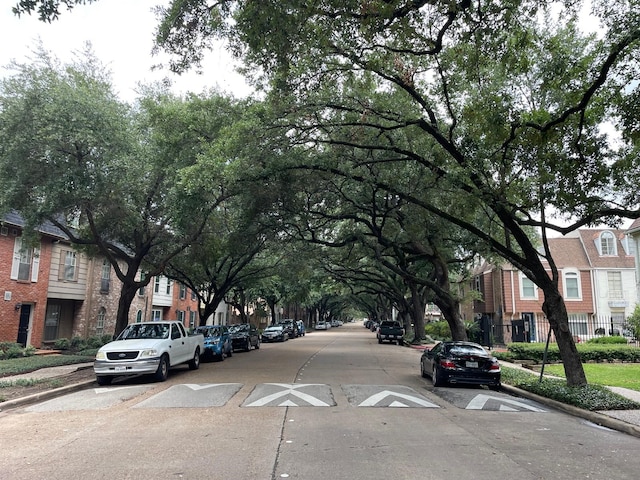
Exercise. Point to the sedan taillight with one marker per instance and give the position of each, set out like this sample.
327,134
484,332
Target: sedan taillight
495,366
447,364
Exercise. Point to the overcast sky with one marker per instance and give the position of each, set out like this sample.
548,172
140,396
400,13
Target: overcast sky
121,33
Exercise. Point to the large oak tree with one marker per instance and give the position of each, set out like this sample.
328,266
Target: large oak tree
509,98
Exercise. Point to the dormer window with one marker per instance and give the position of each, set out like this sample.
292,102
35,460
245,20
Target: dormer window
607,244
629,245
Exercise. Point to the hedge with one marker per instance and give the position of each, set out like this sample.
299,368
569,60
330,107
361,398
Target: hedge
588,352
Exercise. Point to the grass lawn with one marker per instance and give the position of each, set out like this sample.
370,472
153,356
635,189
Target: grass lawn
625,375
15,366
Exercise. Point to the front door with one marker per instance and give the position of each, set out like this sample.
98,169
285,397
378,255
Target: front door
23,327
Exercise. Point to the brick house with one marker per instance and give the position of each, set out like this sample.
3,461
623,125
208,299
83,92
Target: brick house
597,281
52,291
24,277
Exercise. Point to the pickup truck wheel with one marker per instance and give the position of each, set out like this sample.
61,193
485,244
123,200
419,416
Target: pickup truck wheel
422,371
400,342
379,340
104,380
194,364
257,344
163,369
230,352
248,347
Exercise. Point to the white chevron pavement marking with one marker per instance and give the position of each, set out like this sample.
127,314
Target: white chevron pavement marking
478,402
290,389
374,399
196,386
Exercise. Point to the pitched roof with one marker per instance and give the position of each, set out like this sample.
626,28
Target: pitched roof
590,239
568,253
47,228
635,226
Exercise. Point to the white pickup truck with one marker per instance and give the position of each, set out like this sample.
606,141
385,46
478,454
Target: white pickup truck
148,348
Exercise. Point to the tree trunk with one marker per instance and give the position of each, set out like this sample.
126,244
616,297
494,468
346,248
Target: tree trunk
451,313
127,294
556,312
272,309
417,314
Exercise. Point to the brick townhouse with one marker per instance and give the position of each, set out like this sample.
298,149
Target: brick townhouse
598,281
51,291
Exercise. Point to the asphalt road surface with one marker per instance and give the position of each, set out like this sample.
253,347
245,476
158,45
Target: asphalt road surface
331,405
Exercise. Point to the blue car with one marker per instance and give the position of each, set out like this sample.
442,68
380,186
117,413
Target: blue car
217,341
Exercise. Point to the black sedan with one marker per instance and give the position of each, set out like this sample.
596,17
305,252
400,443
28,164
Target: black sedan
244,336
275,333
460,362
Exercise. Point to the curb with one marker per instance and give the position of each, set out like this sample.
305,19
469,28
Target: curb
46,395
594,417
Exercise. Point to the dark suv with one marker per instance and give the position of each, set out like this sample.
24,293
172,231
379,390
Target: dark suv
244,336
290,326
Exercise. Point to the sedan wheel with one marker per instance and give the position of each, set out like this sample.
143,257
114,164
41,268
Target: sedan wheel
437,379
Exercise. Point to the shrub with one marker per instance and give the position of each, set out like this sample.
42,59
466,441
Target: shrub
608,340
589,352
439,331
77,343
62,344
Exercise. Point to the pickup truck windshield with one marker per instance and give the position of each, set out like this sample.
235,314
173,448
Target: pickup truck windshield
144,331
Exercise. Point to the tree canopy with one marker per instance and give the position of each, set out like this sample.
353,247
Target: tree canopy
503,104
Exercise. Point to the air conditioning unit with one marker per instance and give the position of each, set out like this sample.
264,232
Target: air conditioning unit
7,295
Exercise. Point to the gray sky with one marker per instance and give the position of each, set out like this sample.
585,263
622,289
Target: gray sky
121,34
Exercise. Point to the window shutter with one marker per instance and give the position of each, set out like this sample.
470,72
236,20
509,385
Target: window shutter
15,264
35,265
61,265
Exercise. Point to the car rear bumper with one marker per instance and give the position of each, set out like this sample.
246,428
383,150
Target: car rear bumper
476,378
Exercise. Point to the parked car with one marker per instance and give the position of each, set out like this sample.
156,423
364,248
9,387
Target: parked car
302,330
335,323
390,331
217,341
290,326
322,325
148,348
244,336
274,333
460,362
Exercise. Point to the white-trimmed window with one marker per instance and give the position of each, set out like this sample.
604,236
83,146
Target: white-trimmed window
156,285
180,314
156,315
26,262
629,245
614,281
572,290
105,276
139,316
607,244
102,313
578,324
528,289
192,319
183,291
68,266
168,287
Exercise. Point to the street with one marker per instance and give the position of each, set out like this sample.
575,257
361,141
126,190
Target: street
334,404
